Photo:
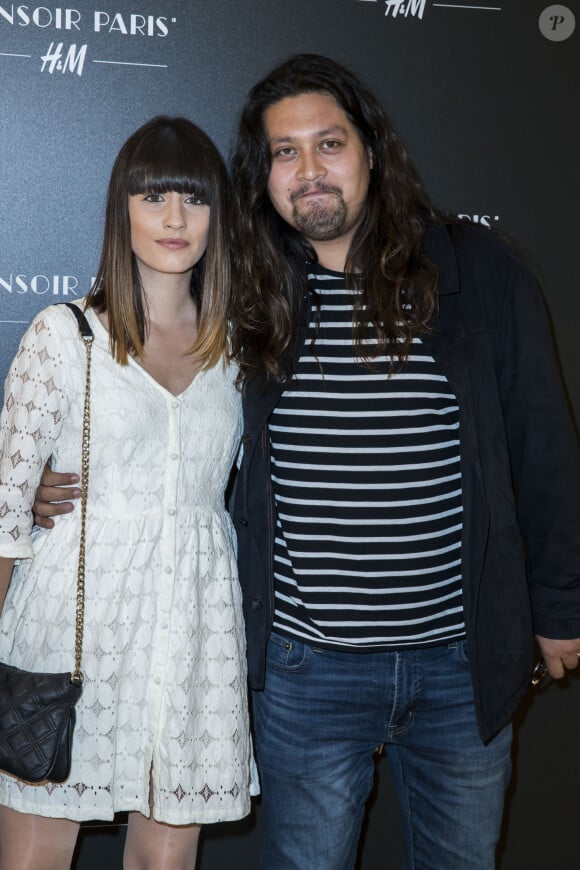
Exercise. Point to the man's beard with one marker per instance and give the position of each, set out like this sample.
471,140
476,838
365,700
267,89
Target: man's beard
322,221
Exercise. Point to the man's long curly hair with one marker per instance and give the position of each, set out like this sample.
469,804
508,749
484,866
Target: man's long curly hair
385,258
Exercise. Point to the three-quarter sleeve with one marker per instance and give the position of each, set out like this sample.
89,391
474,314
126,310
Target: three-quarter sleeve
35,403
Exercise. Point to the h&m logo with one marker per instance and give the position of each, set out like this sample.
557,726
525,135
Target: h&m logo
71,61
414,8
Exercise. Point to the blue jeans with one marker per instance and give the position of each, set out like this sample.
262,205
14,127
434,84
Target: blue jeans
318,723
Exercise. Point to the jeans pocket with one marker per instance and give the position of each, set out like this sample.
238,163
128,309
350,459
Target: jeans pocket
460,653
285,654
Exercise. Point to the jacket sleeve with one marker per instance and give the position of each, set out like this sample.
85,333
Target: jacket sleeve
544,456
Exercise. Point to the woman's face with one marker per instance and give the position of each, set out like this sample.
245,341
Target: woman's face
168,232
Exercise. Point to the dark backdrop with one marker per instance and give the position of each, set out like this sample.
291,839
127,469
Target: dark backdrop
483,92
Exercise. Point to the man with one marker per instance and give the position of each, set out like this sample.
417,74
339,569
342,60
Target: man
406,507
378,536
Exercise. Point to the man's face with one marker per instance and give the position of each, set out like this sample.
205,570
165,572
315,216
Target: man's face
320,169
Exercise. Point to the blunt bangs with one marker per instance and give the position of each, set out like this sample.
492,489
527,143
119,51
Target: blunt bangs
174,158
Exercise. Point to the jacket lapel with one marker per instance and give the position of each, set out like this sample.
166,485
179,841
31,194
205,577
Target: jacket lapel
448,343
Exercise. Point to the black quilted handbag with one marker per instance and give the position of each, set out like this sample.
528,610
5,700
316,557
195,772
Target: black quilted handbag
37,711
37,717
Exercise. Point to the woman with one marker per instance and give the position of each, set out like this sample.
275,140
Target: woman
162,724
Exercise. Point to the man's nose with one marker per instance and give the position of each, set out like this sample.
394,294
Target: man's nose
310,166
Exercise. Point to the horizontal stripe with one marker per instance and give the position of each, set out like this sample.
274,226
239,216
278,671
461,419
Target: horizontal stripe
412,448
365,504
387,591
378,486
407,466
335,555
399,431
370,607
338,572
344,359
353,397
369,540
357,412
407,521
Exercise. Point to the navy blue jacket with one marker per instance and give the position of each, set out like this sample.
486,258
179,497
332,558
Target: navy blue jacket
519,463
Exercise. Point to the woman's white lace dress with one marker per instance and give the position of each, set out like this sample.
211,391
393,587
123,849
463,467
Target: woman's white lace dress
164,701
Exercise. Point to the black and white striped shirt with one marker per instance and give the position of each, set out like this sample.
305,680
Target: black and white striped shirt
367,487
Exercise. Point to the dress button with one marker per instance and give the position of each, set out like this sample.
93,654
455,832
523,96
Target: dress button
157,681
175,404
168,569
257,604
171,512
174,456
246,440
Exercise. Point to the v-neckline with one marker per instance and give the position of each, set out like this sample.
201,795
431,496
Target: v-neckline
133,362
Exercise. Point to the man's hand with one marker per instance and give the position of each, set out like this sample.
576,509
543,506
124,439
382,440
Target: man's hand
559,655
53,488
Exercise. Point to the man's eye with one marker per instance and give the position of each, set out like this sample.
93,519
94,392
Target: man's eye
331,144
283,152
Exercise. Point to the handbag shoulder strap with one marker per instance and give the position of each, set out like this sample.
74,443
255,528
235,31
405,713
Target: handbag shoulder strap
88,337
84,328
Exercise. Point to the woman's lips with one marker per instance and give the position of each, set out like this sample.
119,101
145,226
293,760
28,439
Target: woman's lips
172,244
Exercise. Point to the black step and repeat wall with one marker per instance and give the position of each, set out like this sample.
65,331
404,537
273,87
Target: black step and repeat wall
483,92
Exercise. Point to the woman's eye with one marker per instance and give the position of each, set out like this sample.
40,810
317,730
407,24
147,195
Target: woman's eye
153,197
194,199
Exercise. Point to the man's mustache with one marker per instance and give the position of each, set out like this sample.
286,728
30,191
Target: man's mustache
316,188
